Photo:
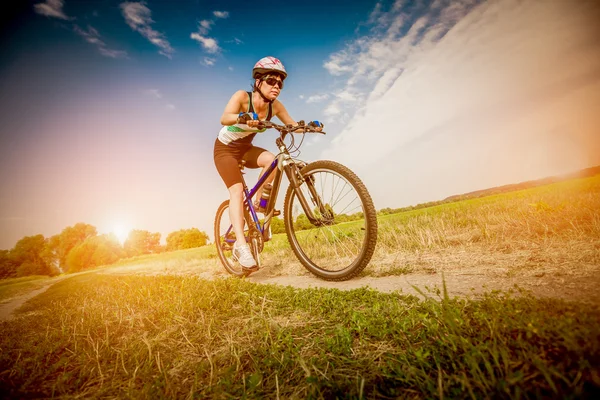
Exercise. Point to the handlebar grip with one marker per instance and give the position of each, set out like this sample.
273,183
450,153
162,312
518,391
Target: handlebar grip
316,124
261,125
245,117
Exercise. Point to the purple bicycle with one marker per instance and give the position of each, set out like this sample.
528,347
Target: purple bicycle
329,217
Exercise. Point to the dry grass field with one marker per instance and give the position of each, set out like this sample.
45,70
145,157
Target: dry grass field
174,325
545,239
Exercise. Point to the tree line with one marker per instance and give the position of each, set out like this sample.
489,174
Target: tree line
80,247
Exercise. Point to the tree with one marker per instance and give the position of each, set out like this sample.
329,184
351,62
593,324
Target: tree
277,225
27,255
8,268
142,242
302,223
94,252
60,245
186,239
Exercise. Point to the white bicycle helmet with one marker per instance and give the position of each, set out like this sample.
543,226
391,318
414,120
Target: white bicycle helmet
268,64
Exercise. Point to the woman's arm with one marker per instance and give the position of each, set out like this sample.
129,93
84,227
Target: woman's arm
232,109
280,112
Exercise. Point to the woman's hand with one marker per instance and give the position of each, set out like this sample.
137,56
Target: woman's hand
316,125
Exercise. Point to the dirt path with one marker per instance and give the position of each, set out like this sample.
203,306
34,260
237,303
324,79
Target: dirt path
569,271
6,309
468,282
457,284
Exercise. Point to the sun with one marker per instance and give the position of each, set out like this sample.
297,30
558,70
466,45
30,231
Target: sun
121,232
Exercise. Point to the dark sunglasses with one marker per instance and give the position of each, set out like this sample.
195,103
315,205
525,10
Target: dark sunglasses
272,82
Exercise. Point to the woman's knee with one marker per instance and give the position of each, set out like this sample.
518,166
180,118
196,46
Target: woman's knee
236,191
265,159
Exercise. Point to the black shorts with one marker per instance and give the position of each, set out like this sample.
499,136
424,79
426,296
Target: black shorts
227,158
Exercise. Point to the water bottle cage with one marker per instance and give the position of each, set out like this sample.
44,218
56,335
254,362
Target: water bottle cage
263,202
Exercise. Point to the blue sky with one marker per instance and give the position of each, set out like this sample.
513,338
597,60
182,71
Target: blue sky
110,109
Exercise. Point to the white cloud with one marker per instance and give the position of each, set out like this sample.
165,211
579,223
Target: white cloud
468,97
209,44
384,83
153,93
221,14
332,110
112,53
156,94
204,26
316,98
396,35
209,62
343,100
348,96
52,8
92,36
334,65
139,18
375,14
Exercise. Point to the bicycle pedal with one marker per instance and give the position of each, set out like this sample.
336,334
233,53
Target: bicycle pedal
276,213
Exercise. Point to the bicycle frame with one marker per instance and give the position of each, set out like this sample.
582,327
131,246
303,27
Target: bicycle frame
283,162
320,192
249,206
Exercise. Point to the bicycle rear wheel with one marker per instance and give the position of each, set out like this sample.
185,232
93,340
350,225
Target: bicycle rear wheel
224,239
339,243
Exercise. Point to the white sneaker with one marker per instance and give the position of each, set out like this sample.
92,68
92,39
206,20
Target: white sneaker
243,255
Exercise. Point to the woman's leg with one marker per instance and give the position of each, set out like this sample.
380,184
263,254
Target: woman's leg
264,161
236,212
227,162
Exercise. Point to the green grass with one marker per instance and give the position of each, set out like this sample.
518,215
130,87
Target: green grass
174,337
170,336
569,209
13,287
552,230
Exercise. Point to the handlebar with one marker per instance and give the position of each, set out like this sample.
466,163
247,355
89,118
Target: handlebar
288,128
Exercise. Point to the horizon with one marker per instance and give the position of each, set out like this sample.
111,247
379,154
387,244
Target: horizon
121,233
110,109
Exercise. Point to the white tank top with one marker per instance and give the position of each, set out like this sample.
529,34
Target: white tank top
231,133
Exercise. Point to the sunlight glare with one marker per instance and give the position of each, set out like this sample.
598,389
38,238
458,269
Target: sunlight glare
121,232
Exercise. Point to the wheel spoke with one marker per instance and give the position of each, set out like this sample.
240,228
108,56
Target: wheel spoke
329,246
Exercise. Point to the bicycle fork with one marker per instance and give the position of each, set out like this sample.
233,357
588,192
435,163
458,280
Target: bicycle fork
296,180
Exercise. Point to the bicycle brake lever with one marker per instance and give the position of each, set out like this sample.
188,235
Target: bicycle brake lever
313,130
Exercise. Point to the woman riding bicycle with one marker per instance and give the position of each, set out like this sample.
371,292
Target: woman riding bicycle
240,121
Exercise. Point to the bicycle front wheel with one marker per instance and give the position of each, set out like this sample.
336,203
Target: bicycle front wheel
340,240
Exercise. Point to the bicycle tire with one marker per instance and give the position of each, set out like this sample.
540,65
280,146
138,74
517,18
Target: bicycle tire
306,245
224,249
